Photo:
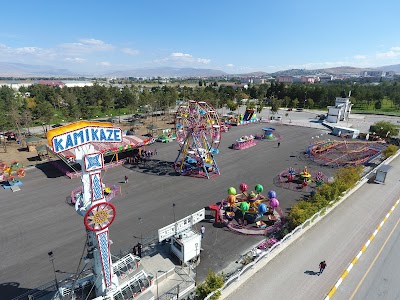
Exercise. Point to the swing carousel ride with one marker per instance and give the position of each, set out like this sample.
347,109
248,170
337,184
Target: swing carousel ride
198,133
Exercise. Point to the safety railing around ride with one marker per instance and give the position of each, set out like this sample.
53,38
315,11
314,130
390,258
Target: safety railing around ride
77,174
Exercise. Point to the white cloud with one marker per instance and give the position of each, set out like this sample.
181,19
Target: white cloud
75,60
184,59
178,54
230,65
86,46
21,53
393,52
104,63
360,56
130,51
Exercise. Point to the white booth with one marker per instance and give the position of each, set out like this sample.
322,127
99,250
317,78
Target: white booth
185,241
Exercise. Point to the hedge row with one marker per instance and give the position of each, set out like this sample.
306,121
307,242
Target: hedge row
345,179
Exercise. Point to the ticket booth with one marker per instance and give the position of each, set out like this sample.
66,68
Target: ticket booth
185,240
186,245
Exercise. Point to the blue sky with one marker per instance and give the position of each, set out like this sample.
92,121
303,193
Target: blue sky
232,36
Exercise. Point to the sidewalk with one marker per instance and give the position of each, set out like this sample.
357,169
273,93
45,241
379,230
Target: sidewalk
337,238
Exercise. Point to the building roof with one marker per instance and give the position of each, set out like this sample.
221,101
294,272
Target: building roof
52,83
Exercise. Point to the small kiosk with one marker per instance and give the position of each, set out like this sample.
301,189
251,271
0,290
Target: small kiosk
381,173
185,241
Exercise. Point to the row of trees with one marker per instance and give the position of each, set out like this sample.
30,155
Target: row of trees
39,104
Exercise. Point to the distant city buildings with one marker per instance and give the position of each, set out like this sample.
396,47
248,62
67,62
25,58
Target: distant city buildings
53,83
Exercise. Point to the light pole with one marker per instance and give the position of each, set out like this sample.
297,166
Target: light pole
161,271
195,274
305,99
141,230
51,258
173,209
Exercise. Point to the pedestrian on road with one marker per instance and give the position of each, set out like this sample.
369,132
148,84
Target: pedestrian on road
322,266
126,179
155,151
279,143
202,230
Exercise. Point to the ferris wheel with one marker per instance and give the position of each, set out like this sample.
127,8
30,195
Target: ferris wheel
198,132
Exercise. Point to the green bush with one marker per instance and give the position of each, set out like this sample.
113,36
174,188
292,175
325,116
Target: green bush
389,151
344,179
213,282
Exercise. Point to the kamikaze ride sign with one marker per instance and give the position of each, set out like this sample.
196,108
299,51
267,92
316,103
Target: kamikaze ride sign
97,212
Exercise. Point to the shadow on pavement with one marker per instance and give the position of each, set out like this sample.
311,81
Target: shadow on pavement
308,272
10,290
153,167
49,170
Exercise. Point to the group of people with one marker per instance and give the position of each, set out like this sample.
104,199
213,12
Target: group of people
141,156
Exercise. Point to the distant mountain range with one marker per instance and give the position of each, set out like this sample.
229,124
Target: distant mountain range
167,72
21,70
27,70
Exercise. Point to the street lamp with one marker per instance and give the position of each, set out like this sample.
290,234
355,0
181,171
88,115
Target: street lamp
173,209
197,262
161,271
305,99
51,258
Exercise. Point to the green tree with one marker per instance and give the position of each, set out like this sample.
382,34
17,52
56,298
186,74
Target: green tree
310,103
44,112
295,102
378,105
390,151
212,283
274,105
384,129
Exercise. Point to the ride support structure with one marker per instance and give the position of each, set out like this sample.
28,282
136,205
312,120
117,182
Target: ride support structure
98,214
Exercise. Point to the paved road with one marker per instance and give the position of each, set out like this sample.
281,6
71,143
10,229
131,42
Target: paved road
37,220
337,238
376,274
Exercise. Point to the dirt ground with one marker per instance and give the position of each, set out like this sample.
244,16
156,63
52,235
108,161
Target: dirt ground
16,152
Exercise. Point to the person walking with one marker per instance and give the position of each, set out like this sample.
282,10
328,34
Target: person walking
202,231
279,143
322,266
126,179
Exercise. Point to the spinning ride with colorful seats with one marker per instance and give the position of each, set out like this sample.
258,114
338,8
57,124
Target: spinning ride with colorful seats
198,133
301,181
9,174
249,213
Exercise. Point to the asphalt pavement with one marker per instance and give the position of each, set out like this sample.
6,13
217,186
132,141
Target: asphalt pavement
337,238
37,219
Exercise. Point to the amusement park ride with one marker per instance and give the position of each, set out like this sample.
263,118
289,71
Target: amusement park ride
198,132
301,181
250,213
122,279
9,180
